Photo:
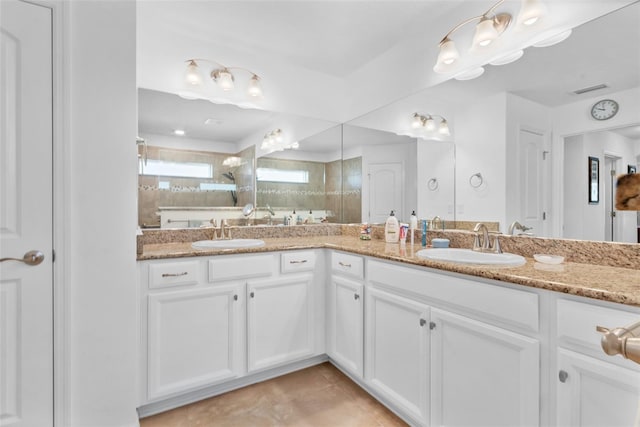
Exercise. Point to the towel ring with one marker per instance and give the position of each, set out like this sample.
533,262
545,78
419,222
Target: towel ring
476,180
432,184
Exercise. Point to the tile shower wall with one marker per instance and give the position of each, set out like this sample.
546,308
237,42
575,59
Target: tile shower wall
333,199
352,190
301,197
186,192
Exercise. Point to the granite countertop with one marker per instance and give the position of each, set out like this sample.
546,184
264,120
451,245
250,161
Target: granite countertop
614,284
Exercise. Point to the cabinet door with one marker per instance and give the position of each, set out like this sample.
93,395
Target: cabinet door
280,321
397,351
481,374
194,338
346,339
595,393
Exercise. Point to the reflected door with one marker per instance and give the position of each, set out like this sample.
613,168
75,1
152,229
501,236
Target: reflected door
532,181
385,191
26,294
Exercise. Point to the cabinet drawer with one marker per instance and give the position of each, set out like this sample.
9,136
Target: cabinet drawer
577,322
297,261
494,303
173,274
348,265
240,267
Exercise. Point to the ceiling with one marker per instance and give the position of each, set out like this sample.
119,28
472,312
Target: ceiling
335,60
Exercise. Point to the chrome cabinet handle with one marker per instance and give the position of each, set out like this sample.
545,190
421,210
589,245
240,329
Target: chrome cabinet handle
562,376
344,265
297,262
184,273
30,258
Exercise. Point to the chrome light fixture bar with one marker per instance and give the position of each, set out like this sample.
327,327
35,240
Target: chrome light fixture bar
490,25
430,122
222,76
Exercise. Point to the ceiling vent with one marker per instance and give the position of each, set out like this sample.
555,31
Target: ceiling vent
590,89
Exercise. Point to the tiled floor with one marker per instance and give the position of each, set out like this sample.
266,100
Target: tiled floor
318,396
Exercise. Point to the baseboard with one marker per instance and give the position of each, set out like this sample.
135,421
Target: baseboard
205,393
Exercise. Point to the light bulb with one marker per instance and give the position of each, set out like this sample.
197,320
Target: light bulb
192,75
448,53
444,128
429,124
255,90
417,121
223,78
295,145
485,33
530,12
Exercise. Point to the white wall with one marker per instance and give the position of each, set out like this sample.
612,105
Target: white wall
575,188
480,138
184,143
101,125
435,160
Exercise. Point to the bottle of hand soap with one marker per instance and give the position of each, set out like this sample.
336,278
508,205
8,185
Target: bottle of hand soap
391,229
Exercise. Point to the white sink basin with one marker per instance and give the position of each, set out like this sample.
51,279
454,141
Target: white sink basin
227,244
467,256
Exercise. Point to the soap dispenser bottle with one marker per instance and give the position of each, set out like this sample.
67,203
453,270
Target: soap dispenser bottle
391,229
413,225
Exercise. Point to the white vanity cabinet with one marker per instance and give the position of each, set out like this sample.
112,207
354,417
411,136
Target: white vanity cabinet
345,312
206,321
280,316
443,350
397,351
593,389
194,338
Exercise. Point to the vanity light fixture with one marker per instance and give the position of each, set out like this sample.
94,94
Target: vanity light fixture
428,123
222,76
275,141
489,27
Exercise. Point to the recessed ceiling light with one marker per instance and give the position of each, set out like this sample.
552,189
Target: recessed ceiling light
179,132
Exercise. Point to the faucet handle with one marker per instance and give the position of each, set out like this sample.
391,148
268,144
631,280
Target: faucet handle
496,245
476,242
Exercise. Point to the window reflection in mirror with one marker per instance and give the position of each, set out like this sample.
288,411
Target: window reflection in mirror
306,180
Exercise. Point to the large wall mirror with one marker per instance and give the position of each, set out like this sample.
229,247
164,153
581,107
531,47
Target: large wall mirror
207,170
522,135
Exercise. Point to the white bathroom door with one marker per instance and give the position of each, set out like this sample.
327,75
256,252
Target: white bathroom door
385,191
26,291
532,181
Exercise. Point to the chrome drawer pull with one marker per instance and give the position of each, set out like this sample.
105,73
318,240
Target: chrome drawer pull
297,262
344,265
184,273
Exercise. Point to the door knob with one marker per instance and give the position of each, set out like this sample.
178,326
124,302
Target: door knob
30,258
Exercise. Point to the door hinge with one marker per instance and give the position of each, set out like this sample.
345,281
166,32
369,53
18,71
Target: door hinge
53,255
544,216
544,155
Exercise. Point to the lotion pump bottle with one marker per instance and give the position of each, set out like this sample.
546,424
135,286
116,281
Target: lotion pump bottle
391,229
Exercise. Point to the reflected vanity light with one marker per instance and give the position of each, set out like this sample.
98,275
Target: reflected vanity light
490,26
275,141
179,132
222,76
427,123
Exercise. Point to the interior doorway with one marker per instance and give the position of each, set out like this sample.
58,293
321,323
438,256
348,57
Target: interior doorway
612,166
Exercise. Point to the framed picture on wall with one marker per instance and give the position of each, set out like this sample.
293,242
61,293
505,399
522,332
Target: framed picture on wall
631,169
594,180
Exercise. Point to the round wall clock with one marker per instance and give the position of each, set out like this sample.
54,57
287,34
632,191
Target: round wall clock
604,109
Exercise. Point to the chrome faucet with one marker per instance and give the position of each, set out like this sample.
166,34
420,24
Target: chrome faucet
515,225
224,224
485,246
624,341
